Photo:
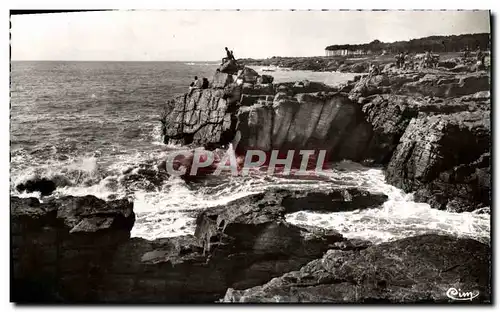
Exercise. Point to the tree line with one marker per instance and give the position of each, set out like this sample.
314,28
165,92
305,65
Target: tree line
453,43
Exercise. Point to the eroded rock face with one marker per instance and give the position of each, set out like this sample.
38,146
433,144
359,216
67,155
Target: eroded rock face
430,128
412,270
266,116
422,83
437,85
445,151
390,115
230,67
198,118
329,122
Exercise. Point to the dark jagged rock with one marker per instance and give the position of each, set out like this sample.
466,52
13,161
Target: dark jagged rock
248,75
221,80
465,187
78,249
335,200
390,115
256,241
402,102
423,83
418,269
265,79
306,86
43,185
431,152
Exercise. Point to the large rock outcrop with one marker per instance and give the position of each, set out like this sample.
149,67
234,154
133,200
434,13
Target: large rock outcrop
367,124
199,118
267,116
78,249
61,249
419,269
432,130
445,158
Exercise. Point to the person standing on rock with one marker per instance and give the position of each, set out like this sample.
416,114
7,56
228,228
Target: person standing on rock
229,56
398,60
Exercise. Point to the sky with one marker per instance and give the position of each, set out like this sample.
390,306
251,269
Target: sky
202,35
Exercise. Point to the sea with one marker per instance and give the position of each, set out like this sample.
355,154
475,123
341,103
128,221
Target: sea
86,125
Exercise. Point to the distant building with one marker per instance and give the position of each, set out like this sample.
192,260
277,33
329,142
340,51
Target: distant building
346,52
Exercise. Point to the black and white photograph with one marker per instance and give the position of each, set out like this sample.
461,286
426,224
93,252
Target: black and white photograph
250,156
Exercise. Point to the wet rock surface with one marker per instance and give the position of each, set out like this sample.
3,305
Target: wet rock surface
373,123
430,128
420,269
61,249
442,158
78,249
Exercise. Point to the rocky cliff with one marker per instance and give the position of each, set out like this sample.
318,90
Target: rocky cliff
430,128
266,116
432,131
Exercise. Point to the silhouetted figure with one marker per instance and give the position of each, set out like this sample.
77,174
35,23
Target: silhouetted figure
229,56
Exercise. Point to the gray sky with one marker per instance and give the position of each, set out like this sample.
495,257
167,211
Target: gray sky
202,35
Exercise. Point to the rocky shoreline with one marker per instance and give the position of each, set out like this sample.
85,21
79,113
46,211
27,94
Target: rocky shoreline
430,130
361,64
79,250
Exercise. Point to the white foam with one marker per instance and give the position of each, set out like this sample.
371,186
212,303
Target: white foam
398,217
161,214
166,213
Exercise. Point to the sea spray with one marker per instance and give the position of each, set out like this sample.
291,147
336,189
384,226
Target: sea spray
172,211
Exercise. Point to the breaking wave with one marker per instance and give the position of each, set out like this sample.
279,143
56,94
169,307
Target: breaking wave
166,206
